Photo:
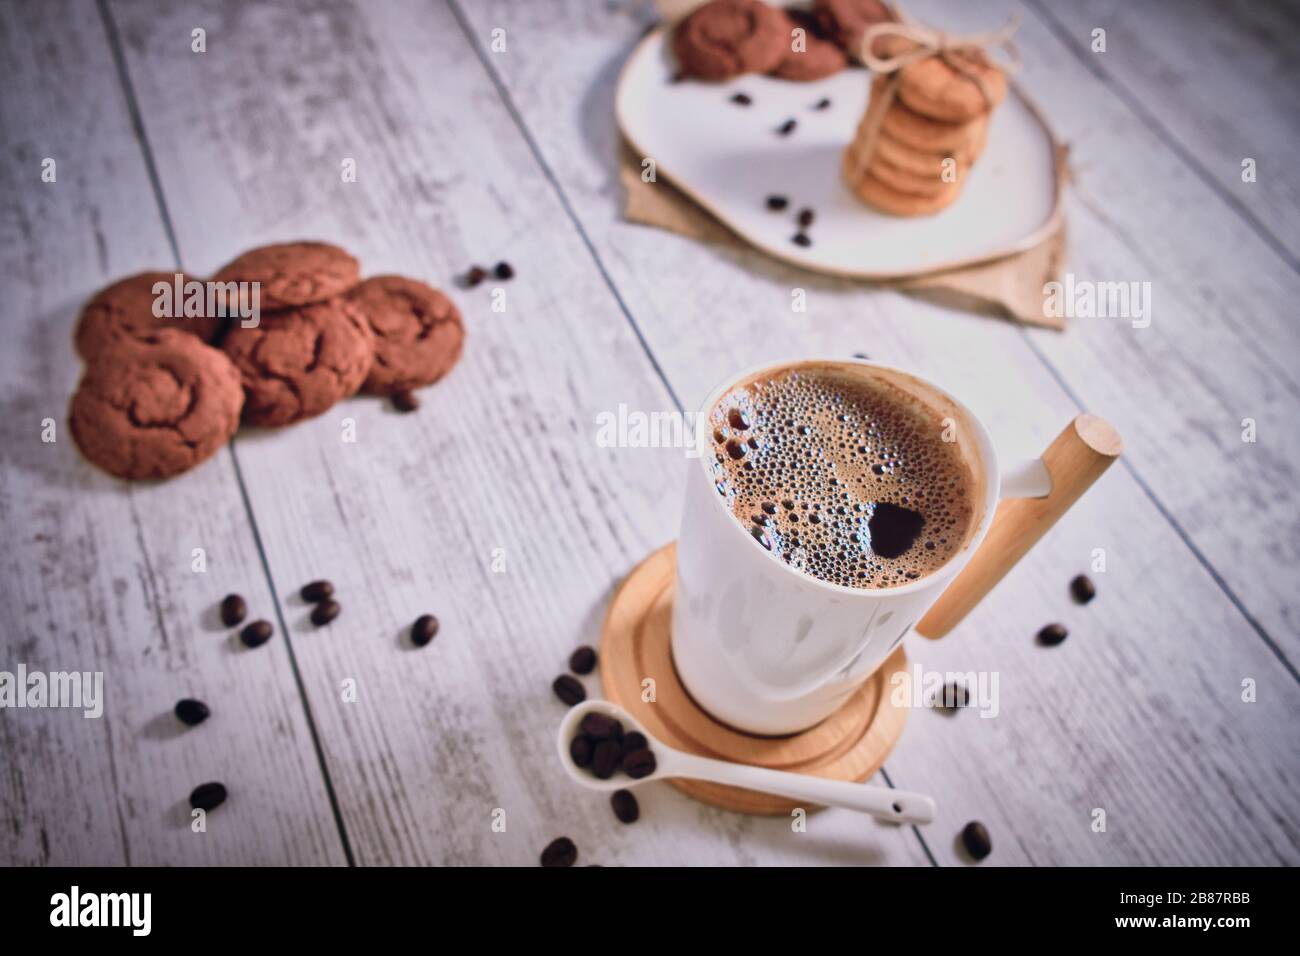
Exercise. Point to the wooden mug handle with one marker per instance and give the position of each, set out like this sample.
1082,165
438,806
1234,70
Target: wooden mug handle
1077,458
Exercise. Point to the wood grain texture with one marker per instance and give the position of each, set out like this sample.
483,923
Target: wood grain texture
96,574
249,139
1163,747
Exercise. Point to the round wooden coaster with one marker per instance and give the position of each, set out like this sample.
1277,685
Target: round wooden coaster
635,649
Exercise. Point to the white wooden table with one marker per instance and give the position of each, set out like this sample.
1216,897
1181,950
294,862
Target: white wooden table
166,157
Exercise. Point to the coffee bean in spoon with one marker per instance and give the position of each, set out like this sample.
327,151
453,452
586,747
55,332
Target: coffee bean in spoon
191,712
569,689
605,758
601,727
424,630
639,763
1083,589
634,740
625,806
325,611
207,796
317,591
583,660
975,837
581,749
256,634
560,852
233,610
1052,634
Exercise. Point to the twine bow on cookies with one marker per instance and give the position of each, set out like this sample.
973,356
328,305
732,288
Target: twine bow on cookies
927,42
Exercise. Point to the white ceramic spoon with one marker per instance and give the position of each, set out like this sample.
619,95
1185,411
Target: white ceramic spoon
898,806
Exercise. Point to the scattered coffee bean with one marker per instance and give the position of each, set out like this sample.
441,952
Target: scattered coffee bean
862,355
580,749
504,270
1083,589
786,128
777,203
741,99
822,103
634,740
625,806
317,591
1052,635
639,763
806,217
569,690
233,610
475,275
256,634
424,630
800,239
560,852
405,400
601,727
324,612
583,660
954,696
207,796
975,837
606,758
192,712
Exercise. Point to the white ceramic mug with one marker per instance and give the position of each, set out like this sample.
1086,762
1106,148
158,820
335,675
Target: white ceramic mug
772,650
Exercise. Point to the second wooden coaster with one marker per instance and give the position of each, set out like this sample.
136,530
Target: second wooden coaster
637,673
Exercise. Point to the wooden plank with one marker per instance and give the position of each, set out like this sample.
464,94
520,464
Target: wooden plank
97,574
1220,78
1139,712
501,455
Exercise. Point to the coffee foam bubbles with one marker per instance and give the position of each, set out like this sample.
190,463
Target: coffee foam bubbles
844,476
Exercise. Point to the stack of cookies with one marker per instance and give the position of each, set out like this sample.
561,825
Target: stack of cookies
925,126
165,387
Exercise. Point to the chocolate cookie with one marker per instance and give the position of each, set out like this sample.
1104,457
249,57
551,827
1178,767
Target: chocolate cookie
418,332
156,406
725,38
817,59
299,362
124,312
875,193
294,273
846,21
955,88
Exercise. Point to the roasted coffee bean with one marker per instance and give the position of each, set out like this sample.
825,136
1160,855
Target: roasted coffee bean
583,660
634,740
1052,635
862,355
560,852
605,758
405,400
192,712
639,763
822,104
786,128
569,689
1083,589
424,630
207,796
777,203
975,837
256,634
233,610
801,239
741,99
504,270
580,749
625,806
475,275
601,727
324,612
317,591
806,217
954,696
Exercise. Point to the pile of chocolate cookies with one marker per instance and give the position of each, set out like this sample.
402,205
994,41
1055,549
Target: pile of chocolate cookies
925,126
164,388
725,38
